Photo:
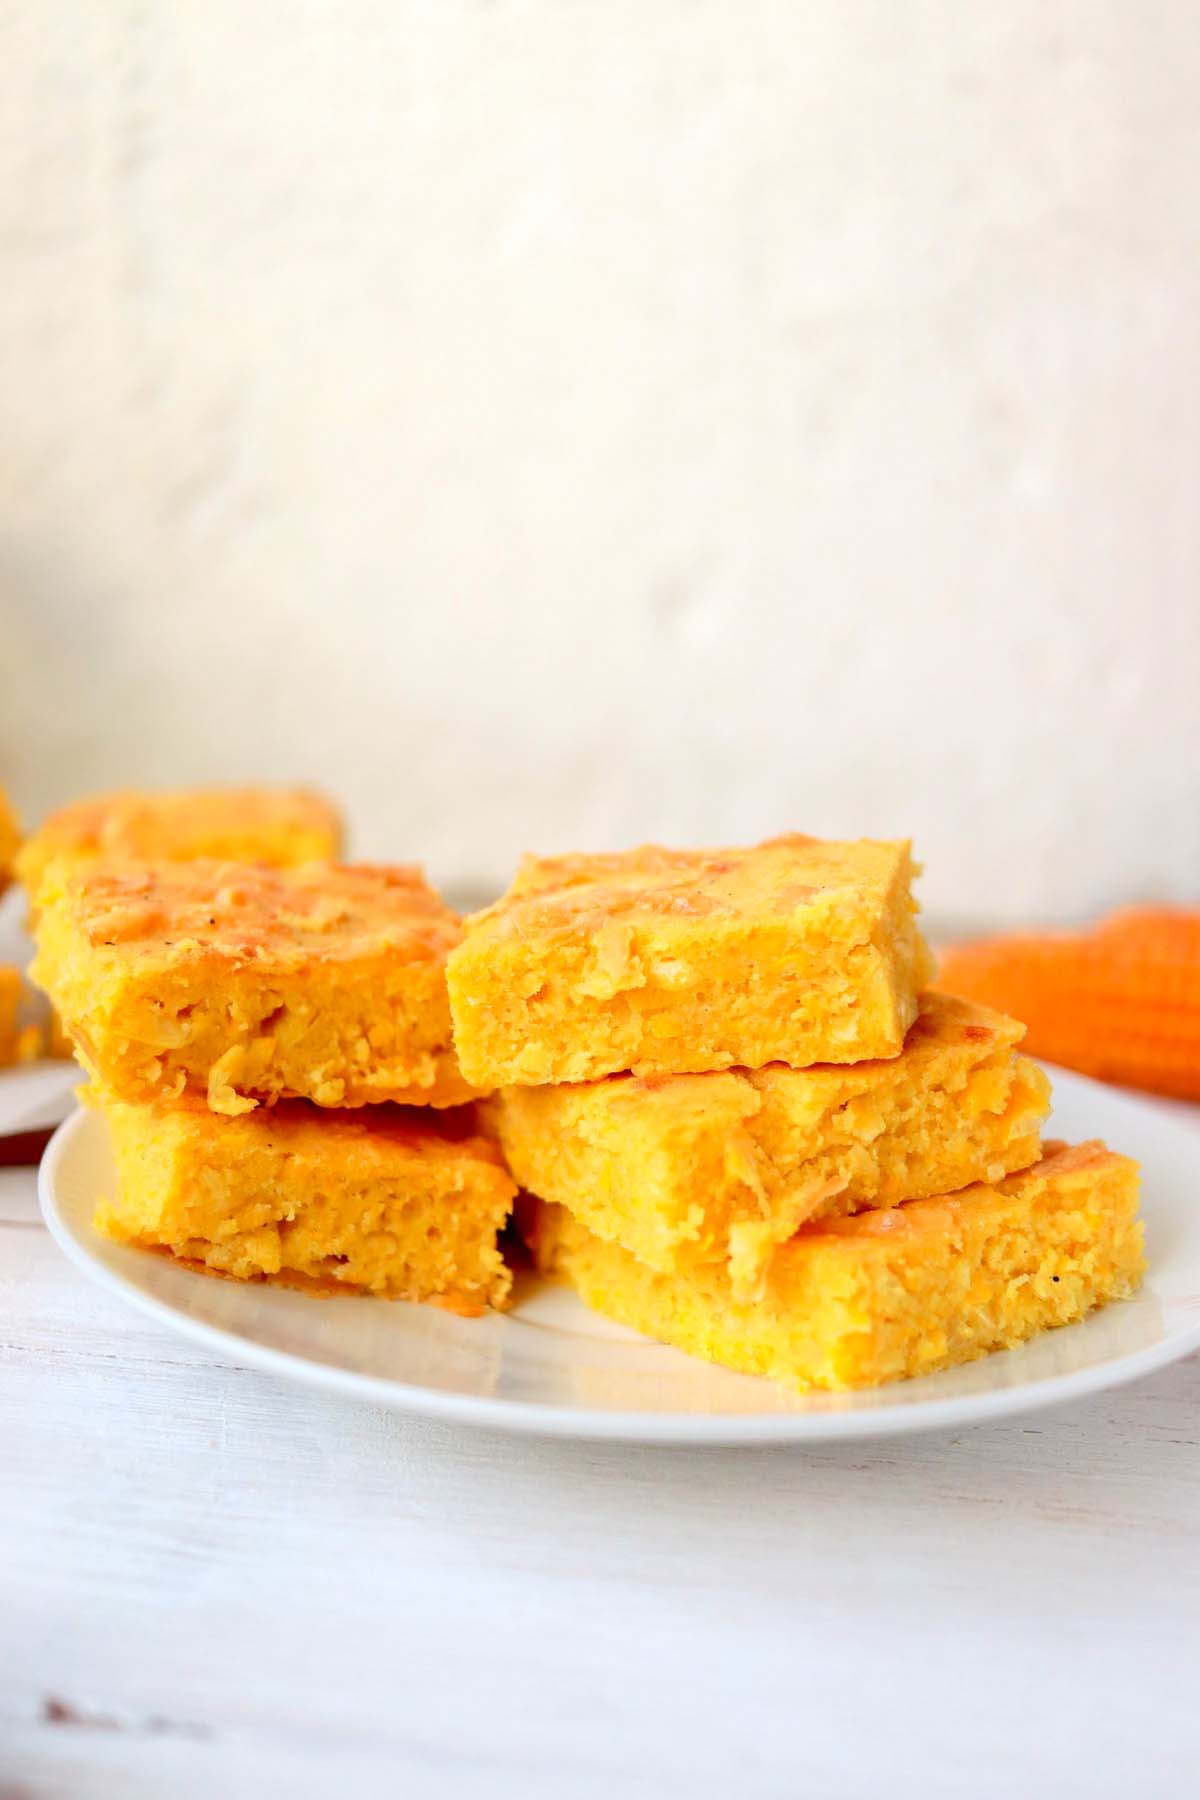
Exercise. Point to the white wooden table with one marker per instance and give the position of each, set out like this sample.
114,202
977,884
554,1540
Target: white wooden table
215,1585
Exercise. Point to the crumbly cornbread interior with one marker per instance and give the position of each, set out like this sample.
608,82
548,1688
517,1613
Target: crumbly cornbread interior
887,1294
667,962
250,984
686,1170
387,1202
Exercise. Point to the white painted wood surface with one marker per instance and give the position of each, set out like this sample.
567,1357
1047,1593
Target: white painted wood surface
212,1584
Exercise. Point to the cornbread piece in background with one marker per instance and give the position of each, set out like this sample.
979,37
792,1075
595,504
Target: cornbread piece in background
279,826
857,1301
670,962
10,838
685,1170
10,1001
1120,1002
19,1043
384,1202
247,984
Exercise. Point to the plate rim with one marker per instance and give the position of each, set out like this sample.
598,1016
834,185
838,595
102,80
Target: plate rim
533,1418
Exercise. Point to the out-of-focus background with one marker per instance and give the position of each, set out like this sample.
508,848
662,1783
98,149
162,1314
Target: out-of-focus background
556,425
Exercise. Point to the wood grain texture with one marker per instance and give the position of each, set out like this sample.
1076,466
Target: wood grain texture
213,1583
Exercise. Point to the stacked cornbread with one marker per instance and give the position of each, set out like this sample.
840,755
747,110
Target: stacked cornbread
751,1131
270,1043
744,1122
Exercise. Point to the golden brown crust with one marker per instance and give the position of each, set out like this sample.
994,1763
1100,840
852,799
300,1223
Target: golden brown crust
580,893
249,984
237,913
279,826
670,961
1059,1163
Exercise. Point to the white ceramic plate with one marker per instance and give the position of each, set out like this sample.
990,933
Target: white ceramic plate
552,1367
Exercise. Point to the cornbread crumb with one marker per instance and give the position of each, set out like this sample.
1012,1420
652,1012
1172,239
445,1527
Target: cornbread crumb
678,961
686,1170
248,984
882,1295
282,827
385,1202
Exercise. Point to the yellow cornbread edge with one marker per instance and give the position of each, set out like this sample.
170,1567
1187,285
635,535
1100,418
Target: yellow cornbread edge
232,1197
884,1296
305,826
530,1007
685,1170
116,1009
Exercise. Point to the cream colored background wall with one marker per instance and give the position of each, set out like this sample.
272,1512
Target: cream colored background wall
557,424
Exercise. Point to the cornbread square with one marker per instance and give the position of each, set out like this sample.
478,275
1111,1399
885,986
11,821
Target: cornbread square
279,826
854,1302
248,984
685,1170
668,962
387,1202
10,838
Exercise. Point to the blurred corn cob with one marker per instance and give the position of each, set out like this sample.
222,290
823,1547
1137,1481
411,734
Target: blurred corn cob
1121,1002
